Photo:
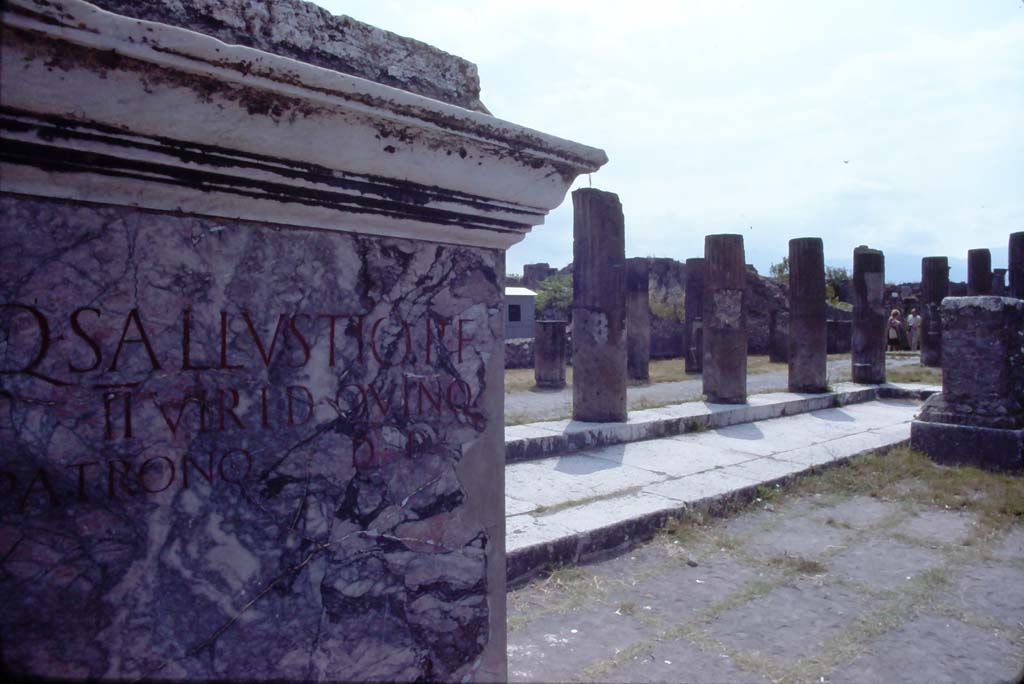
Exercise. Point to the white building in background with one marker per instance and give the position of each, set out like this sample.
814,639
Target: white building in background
520,307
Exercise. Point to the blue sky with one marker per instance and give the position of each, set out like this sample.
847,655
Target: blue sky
896,124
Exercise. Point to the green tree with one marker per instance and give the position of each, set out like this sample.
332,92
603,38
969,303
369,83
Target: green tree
780,271
555,293
833,275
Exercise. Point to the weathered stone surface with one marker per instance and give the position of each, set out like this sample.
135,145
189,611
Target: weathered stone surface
778,336
638,319
694,316
979,272
999,282
598,307
535,274
667,338
983,378
549,354
308,33
763,296
725,320
982,400
519,353
934,287
869,316
196,429
808,336
839,336
251,363
961,445
1015,260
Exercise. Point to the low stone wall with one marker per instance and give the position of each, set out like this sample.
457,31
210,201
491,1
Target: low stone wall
839,336
519,353
666,338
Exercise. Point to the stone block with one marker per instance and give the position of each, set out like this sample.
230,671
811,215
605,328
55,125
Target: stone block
252,358
989,448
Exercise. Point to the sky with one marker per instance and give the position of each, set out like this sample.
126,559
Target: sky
896,124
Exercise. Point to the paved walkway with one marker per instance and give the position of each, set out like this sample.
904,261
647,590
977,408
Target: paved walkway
532,405
893,570
569,508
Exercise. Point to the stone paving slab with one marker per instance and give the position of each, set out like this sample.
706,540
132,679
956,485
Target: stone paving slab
548,438
834,587
931,650
581,506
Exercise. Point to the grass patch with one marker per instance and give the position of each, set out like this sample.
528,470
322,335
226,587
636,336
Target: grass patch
924,374
997,499
768,494
795,564
554,508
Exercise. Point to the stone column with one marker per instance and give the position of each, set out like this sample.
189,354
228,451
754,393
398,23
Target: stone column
598,307
808,335
934,287
978,419
265,441
979,272
1015,261
549,354
869,316
693,316
725,320
638,319
999,282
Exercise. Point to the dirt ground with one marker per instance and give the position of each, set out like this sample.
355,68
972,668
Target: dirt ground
886,569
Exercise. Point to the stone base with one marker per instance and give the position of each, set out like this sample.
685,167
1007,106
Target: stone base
988,448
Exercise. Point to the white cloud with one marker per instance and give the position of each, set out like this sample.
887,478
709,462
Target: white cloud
729,116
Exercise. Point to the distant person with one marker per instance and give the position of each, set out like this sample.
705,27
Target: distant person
893,330
914,324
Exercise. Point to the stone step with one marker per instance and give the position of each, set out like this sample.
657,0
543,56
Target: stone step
585,506
556,437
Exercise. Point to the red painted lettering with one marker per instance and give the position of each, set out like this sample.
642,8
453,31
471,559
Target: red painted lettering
307,401
76,326
145,467
143,339
229,409
265,353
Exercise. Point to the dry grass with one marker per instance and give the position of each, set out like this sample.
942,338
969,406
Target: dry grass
660,370
905,474
925,374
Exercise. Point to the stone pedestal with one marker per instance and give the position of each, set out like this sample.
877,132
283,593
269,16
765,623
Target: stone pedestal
979,417
693,312
979,272
934,287
549,354
598,307
251,384
869,316
808,336
1015,261
638,319
725,320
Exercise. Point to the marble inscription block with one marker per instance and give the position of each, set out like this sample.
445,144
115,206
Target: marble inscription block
236,450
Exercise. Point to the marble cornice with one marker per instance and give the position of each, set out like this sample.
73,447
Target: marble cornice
104,108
